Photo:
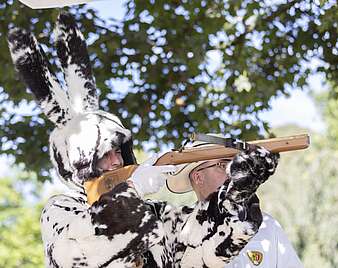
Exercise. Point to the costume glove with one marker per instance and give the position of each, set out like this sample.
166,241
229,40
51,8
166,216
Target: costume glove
148,179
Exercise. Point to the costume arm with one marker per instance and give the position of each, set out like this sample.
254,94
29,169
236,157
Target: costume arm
169,251
237,215
232,216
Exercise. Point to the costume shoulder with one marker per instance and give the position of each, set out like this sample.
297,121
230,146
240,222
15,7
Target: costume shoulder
71,236
62,216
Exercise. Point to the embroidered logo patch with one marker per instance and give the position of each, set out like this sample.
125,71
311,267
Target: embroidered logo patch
255,257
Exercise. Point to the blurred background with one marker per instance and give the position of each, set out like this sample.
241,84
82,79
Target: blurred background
249,69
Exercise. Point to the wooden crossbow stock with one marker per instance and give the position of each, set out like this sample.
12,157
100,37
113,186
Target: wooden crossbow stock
96,187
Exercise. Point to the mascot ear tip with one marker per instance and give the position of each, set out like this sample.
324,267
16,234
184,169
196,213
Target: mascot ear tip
18,39
15,33
66,17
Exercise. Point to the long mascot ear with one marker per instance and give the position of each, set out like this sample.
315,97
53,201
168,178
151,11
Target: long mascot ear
33,68
72,51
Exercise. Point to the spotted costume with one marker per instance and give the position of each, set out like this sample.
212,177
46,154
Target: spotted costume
120,229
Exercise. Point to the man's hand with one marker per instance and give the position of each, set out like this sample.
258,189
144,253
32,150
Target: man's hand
148,179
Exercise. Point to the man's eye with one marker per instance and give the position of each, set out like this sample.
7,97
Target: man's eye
118,151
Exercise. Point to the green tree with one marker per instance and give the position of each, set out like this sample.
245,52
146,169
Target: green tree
162,50
20,238
328,103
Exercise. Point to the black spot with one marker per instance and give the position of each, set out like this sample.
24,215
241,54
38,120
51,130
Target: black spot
66,174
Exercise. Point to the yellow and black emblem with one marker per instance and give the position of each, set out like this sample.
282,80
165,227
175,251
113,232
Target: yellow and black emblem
255,257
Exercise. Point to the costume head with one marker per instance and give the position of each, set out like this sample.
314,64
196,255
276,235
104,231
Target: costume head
179,182
83,133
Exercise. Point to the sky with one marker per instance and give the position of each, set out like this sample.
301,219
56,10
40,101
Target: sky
299,108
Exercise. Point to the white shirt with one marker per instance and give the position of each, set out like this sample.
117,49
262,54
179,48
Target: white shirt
269,248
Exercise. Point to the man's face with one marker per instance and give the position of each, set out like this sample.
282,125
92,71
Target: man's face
209,176
111,160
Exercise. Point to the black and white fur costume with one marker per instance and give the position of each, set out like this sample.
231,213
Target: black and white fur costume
120,229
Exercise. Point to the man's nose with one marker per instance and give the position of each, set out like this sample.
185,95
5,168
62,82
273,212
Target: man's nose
114,158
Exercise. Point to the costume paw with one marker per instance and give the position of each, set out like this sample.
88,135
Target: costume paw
255,165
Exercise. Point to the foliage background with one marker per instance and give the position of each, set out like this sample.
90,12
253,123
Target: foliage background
161,51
